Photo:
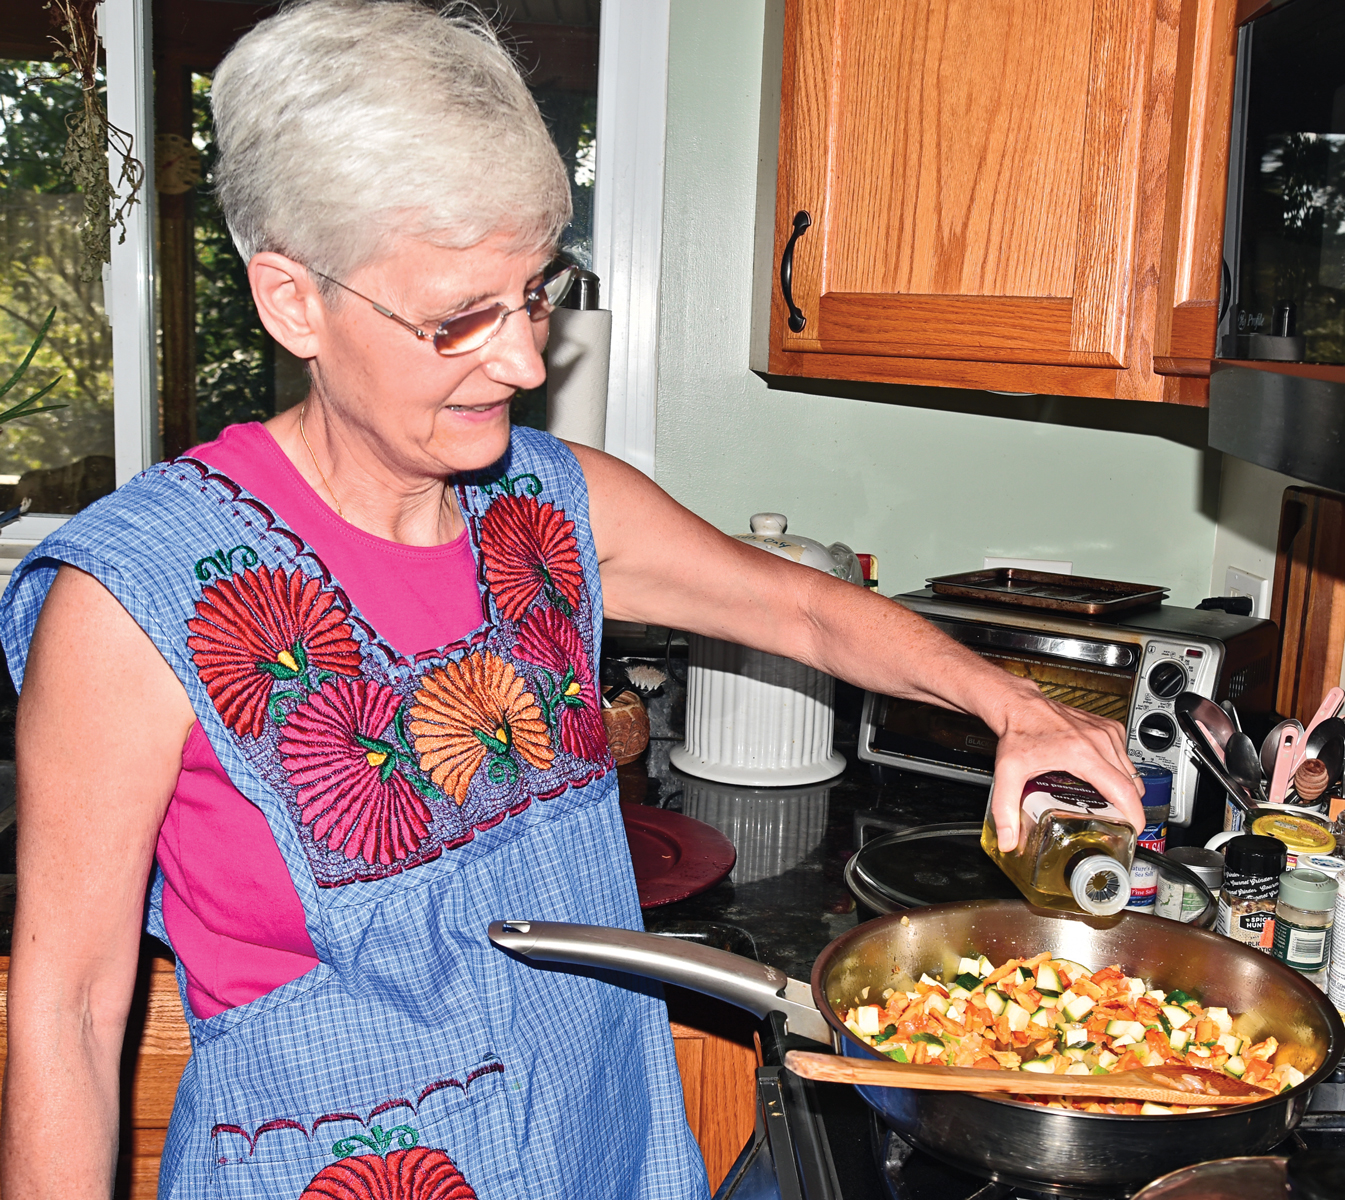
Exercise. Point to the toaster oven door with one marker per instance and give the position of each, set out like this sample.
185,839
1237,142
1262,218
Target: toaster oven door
1096,676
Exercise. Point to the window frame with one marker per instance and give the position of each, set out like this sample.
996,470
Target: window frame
627,232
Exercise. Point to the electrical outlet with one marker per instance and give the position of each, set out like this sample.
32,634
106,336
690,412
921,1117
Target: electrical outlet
1238,582
1051,565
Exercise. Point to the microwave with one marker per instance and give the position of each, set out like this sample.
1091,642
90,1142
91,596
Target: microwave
1131,670
1277,388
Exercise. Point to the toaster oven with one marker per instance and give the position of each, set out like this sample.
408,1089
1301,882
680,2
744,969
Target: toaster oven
1131,669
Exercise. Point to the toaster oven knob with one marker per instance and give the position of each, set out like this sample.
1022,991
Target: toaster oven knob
1157,732
1167,679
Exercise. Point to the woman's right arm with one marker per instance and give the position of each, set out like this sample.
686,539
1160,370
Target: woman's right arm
101,725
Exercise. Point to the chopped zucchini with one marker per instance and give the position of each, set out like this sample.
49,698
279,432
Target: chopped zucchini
897,1054
1126,1029
934,1002
984,966
1048,980
1106,1058
1075,1037
995,1000
1156,996
928,1038
1018,1017
1232,1043
1178,1039
967,979
928,982
1154,1110
1076,1008
1177,1017
958,993
1222,1021
1073,969
1292,1077
1048,999
967,966
869,1019
1235,1066
1025,976
1177,996
1042,1066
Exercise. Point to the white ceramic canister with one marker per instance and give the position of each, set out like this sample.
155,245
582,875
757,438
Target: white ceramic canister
755,718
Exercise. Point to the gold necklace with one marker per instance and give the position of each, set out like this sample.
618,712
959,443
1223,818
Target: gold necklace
302,411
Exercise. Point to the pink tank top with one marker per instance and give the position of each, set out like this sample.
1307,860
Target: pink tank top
229,905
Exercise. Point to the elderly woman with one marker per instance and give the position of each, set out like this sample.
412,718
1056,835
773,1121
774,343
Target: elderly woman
335,675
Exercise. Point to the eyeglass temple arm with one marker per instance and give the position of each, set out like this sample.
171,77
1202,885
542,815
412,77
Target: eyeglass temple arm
378,308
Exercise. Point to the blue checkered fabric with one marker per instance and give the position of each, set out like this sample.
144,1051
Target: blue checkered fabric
413,1030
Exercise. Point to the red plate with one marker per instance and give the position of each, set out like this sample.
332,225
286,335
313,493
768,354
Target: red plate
674,856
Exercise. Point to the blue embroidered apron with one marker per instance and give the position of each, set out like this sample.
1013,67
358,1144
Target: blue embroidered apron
414,801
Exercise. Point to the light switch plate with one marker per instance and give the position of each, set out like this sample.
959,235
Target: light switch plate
1238,582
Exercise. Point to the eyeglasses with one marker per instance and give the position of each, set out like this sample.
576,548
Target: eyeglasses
470,331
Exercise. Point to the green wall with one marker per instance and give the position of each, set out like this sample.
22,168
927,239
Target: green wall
930,479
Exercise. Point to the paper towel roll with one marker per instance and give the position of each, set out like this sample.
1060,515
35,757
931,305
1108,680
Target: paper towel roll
577,358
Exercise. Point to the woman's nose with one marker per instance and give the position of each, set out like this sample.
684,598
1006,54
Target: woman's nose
514,355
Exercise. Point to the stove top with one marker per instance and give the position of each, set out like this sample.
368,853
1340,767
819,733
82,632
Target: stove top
822,1142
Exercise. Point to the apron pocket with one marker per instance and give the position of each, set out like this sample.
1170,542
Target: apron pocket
452,1140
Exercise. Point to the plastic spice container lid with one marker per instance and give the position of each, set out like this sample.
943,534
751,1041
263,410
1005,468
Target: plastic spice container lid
1157,785
1301,834
1310,890
1327,864
1252,854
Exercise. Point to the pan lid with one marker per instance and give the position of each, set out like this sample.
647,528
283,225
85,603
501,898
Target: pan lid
934,864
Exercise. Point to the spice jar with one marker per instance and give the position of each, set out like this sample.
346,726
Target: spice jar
1181,902
1304,914
1253,865
1157,801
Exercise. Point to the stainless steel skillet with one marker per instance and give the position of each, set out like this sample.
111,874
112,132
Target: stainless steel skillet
1071,1153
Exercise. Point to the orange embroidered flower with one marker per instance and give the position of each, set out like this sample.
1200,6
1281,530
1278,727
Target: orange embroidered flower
529,548
472,712
262,626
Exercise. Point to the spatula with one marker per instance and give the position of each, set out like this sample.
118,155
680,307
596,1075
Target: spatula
1157,1085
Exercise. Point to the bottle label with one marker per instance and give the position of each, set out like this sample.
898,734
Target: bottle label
1301,947
1155,837
1064,793
1143,885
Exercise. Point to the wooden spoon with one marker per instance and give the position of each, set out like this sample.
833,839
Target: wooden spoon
1157,1085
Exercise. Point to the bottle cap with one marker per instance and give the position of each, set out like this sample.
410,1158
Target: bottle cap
1254,854
1312,890
1208,864
1157,785
1099,885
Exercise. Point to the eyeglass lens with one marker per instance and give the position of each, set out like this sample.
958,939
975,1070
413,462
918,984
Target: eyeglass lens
471,331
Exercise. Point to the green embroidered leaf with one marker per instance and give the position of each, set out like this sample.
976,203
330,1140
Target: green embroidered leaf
277,670
389,766
300,655
493,744
374,746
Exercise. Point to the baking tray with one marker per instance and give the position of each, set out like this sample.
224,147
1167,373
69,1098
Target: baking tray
1043,589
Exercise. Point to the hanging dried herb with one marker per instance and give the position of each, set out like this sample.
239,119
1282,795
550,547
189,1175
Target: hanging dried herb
92,140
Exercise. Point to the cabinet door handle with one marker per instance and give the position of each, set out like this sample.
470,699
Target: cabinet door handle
796,318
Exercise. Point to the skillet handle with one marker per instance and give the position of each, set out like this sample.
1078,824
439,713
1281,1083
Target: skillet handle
740,981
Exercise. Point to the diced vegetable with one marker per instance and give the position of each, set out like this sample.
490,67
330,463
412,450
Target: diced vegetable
1078,1068
1077,1007
1107,1059
1048,980
1179,1039
1235,1067
1222,1021
995,1000
967,979
958,992
1156,996
897,1054
1177,1017
1042,1066
1025,976
1075,1037
935,1002
1232,1043
1018,1017
869,1019
928,1038
967,966
1125,1029
984,966
1177,996
1154,1110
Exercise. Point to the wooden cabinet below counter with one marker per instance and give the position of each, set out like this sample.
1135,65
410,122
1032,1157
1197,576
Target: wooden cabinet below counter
714,1044
1019,196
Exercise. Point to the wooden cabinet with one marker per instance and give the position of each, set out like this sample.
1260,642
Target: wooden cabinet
1024,195
714,1043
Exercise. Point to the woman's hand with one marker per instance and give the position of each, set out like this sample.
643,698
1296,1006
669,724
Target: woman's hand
101,724
662,564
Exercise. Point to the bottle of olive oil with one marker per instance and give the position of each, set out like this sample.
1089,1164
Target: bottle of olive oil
1074,847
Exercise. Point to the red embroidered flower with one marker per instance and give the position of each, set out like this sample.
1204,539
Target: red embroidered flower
261,626
417,1174
350,784
527,548
471,710
549,640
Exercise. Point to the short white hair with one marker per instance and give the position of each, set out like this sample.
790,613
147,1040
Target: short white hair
344,125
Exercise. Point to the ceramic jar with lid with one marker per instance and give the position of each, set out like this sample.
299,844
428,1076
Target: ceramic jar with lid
755,718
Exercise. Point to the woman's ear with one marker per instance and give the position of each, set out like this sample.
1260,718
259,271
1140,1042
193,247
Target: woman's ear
288,302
